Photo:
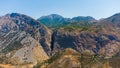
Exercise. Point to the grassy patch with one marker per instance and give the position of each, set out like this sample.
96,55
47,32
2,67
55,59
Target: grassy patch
71,27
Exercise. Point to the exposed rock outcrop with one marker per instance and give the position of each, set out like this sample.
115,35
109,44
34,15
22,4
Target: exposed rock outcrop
21,36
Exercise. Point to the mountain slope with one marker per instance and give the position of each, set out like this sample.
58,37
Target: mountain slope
114,18
93,39
21,36
67,58
70,58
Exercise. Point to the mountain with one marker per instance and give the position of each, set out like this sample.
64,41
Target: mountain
53,20
114,18
91,39
83,19
57,21
22,38
99,39
78,42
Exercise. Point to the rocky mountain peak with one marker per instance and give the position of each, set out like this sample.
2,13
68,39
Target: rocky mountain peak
114,18
52,20
83,18
52,16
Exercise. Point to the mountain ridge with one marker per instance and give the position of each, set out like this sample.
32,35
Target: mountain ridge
24,40
55,20
20,36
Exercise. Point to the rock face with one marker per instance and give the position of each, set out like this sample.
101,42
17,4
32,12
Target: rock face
31,51
21,36
92,41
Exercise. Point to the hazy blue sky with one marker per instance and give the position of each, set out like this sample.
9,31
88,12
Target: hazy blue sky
67,8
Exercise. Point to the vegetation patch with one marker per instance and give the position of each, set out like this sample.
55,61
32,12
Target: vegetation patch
71,27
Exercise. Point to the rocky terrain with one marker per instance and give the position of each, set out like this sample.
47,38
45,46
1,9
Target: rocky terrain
21,39
56,42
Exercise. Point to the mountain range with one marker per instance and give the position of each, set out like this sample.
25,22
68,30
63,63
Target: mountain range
56,21
56,42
